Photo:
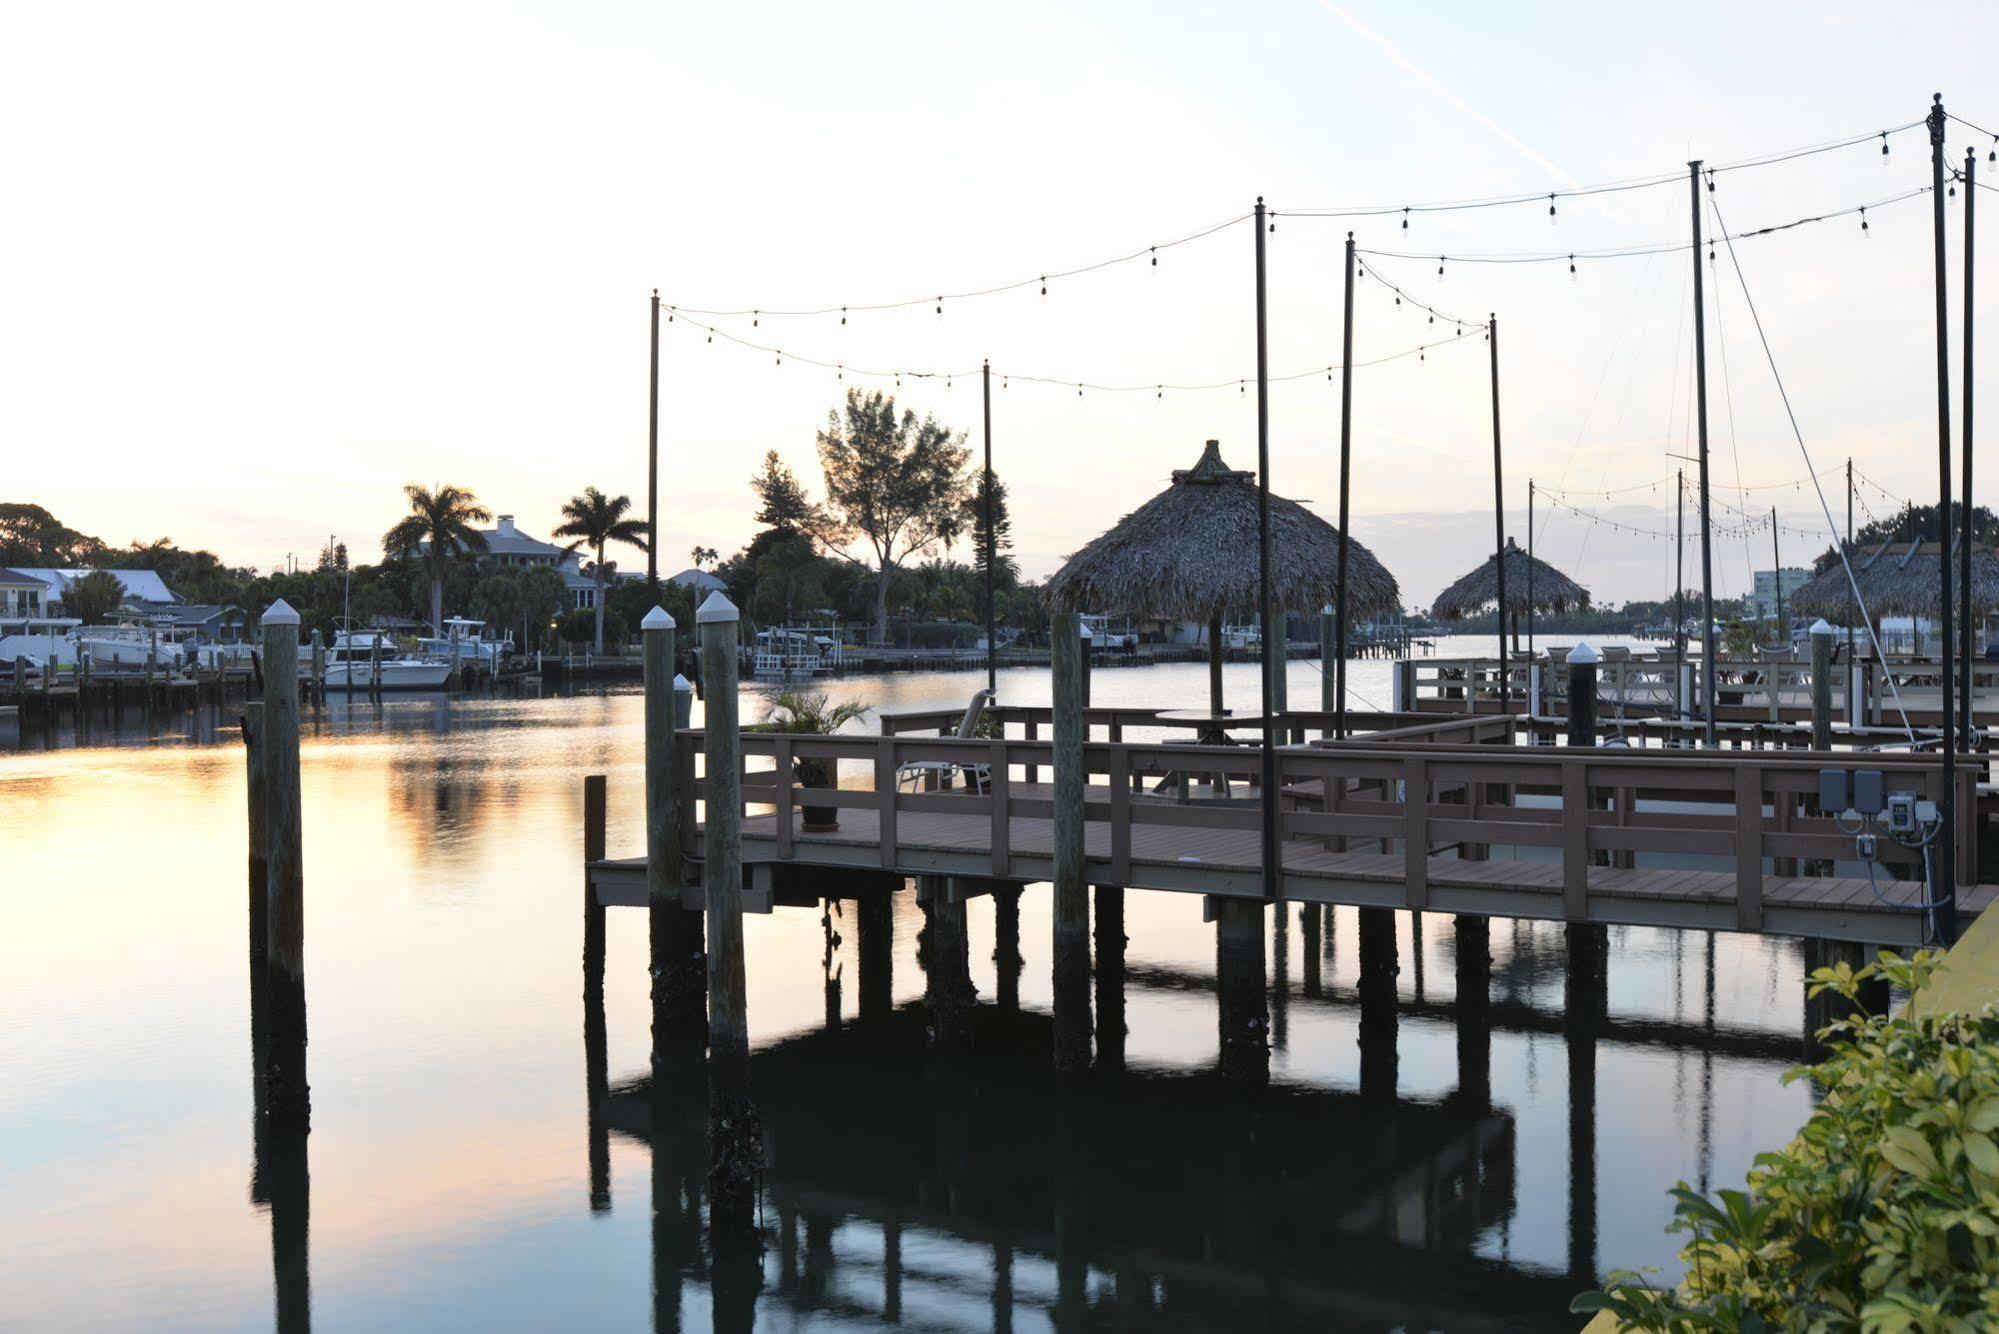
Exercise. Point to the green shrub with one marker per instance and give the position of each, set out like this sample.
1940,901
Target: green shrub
1882,1215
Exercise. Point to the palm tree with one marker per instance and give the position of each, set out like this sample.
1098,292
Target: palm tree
439,526
595,519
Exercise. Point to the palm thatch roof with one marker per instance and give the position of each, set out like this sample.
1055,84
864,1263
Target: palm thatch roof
1191,552
1897,578
1552,590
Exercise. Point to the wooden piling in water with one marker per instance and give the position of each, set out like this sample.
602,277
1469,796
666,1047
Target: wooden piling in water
675,936
949,992
1822,646
1310,919
735,1136
1110,943
318,668
1378,1004
1072,904
1474,1005
596,1057
257,794
1006,944
1242,1007
288,1096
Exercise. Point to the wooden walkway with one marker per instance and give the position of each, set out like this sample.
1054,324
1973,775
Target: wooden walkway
1722,833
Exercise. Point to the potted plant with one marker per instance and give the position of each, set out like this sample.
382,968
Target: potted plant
809,713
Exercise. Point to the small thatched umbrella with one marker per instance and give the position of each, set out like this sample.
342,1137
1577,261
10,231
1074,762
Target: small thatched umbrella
1190,552
1531,585
1897,578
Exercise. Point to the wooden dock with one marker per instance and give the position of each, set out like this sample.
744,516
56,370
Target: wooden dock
1451,817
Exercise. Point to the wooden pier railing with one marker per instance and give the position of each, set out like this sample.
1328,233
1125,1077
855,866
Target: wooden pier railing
1442,815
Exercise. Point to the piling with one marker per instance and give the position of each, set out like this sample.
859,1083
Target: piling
1582,695
1378,1018
949,994
1110,943
596,1057
1310,918
1329,662
455,665
1242,1005
318,668
679,963
1829,1007
287,1095
1072,904
1822,646
1474,1006
876,914
1006,945
257,792
374,666
1584,1006
735,1135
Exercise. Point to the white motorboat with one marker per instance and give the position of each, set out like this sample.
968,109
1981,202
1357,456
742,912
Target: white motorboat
370,660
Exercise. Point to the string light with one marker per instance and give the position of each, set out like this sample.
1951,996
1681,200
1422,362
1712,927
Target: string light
1405,219
1155,257
1551,206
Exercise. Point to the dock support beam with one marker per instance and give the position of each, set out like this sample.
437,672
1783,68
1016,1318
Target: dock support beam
876,914
1110,942
288,1098
678,958
1582,695
1474,1004
1243,1007
735,1135
1584,1006
1072,903
1310,919
596,1049
1378,970
1829,1007
1006,944
950,993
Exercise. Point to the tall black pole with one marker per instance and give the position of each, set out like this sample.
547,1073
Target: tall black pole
1946,861
652,459
1679,577
1700,408
1970,528
1346,473
1777,576
1271,632
992,536
1498,512
1532,704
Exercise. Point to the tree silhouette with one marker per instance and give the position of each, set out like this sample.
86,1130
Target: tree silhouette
595,520
439,527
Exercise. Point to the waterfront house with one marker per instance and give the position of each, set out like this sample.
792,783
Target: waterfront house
140,586
20,594
508,546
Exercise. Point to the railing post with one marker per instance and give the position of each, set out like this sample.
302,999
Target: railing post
674,935
1329,663
735,1136
1072,904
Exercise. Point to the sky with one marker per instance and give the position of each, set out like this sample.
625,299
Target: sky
264,265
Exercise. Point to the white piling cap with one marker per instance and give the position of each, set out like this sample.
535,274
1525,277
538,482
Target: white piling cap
1085,632
716,609
659,618
1583,655
1819,627
280,613
1327,610
681,683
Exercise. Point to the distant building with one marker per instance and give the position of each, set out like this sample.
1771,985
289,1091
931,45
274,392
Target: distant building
20,594
1763,602
698,582
140,586
509,546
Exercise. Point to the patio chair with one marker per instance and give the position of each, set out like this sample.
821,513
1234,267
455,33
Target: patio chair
915,772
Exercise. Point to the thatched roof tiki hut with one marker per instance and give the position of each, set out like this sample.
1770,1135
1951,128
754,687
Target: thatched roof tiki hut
1190,552
1896,578
1531,585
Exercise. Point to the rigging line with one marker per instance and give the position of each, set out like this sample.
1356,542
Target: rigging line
845,368
1969,126
1859,599
996,290
1584,191
1633,251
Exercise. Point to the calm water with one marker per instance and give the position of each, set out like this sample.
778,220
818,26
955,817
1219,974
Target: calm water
457,1177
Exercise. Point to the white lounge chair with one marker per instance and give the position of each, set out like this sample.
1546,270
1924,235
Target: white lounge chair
913,773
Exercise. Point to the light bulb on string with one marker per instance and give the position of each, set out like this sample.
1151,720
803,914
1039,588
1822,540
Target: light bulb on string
1160,391
1405,219
843,314
1079,391
1884,144
1992,153
1044,284
669,314
1863,217
940,305
756,318
1551,206
1572,266
1440,266
1155,257
780,358
1710,180
1273,222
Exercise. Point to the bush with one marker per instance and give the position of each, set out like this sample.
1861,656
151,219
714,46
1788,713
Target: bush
1883,1213
580,627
